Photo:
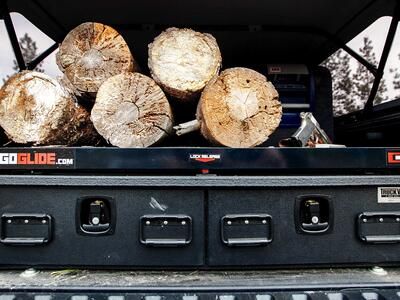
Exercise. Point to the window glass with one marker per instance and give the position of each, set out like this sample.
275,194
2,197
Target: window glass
351,81
32,42
6,54
389,88
376,37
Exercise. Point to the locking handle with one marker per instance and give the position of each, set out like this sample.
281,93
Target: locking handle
96,228
315,227
95,215
313,214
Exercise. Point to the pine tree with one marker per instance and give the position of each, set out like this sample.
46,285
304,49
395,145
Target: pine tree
396,80
363,79
381,95
339,66
29,52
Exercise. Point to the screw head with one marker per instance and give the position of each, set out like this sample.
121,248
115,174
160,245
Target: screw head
397,219
26,221
246,221
165,222
9,221
381,220
379,271
183,222
95,221
148,223
264,221
44,221
315,220
229,222
29,273
365,220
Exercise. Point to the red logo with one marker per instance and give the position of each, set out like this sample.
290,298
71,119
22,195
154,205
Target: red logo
205,158
393,157
36,159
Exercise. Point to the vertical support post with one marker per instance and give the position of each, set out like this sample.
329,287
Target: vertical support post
382,63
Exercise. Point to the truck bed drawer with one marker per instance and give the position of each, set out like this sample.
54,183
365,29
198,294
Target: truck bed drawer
101,227
305,226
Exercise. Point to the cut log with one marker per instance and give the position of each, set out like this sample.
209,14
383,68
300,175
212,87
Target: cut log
36,109
239,109
132,111
92,53
183,61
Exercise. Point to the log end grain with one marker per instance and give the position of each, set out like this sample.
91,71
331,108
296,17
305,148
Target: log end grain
183,61
132,111
239,109
91,53
34,108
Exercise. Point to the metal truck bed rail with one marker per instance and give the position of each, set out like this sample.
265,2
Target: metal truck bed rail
366,284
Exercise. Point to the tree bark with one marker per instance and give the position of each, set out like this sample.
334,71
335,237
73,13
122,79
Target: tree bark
239,109
36,109
92,53
131,110
183,61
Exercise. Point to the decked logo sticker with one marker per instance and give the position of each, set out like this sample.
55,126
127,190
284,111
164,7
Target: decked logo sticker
393,157
388,194
36,159
205,158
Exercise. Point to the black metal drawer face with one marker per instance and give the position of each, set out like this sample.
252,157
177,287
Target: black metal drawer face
174,237
235,222
242,227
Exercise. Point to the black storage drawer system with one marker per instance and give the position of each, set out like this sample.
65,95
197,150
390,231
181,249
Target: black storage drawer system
244,213
212,222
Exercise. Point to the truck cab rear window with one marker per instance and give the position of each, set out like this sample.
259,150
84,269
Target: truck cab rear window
352,81
32,42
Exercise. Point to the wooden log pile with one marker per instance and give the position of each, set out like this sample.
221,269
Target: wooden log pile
237,108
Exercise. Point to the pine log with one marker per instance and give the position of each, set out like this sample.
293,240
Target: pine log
183,61
92,53
36,109
132,111
239,109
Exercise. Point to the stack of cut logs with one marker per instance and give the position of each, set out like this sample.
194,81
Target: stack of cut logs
102,94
